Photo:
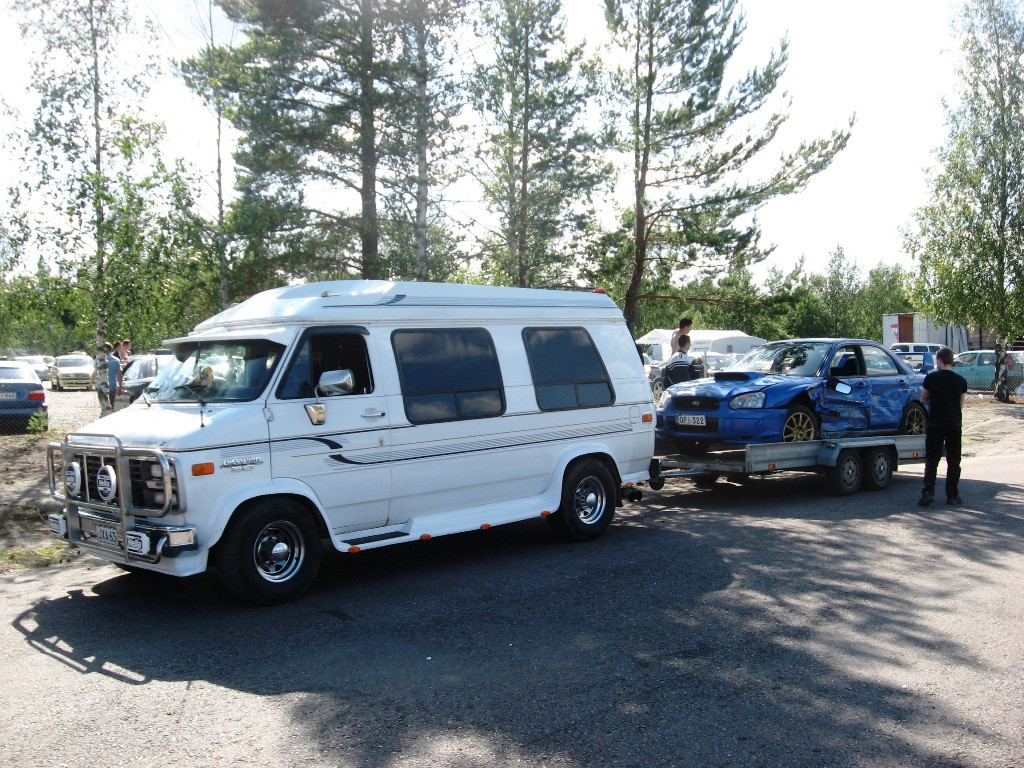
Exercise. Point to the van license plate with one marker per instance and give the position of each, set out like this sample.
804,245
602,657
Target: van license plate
107,535
688,420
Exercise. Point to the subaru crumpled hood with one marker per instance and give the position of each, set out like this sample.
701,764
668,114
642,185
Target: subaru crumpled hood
726,384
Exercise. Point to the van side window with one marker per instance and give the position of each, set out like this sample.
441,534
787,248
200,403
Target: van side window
567,369
326,350
448,374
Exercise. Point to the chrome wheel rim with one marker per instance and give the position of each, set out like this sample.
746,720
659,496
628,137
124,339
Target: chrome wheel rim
591,500
278,551
799,427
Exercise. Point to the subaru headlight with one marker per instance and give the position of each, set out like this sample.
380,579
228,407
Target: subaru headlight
664,400
747,400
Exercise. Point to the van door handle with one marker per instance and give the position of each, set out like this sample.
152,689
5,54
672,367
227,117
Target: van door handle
372,414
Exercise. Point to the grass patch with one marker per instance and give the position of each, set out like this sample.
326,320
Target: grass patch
49,554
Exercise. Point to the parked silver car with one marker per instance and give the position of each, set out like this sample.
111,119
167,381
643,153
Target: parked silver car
72,371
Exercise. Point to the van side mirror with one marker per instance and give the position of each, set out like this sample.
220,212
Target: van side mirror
332,383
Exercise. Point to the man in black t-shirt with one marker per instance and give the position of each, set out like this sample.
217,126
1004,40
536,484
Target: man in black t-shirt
943,392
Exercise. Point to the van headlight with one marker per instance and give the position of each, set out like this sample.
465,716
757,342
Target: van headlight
747,400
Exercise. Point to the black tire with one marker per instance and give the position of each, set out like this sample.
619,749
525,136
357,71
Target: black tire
878,466
800,425
588,503
914,420
848,473
270,552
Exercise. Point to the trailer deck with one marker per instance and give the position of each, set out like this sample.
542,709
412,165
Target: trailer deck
850,463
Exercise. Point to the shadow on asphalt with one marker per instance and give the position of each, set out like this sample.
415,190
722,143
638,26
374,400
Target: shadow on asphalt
638,649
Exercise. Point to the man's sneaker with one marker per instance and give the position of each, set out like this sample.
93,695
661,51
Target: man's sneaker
954,499
925,500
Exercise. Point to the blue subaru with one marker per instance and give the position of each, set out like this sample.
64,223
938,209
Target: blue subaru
797,389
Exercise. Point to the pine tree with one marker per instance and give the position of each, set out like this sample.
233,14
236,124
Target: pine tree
692,137
539,160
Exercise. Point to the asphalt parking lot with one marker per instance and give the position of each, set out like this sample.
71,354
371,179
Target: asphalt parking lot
764,623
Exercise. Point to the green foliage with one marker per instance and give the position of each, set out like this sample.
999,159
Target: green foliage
333,100
539,162
693,138
970,235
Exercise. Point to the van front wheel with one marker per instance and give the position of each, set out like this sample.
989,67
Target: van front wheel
588,501
270,552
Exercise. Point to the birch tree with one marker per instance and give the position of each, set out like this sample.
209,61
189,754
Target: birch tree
969,237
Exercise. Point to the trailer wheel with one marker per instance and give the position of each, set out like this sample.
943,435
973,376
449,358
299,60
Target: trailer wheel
270,552
800,425
878,466
848,473
588,502
914,421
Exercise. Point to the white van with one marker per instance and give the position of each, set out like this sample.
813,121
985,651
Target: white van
368,413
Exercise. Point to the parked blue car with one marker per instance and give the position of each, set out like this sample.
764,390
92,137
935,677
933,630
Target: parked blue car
798,389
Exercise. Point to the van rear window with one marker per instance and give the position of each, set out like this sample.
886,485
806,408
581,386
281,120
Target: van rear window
567,369
448,374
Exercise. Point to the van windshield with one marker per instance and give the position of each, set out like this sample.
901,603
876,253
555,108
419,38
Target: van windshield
216,371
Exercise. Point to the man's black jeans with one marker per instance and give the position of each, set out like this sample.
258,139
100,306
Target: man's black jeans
934,441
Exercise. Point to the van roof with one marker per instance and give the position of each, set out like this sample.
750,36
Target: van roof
354,301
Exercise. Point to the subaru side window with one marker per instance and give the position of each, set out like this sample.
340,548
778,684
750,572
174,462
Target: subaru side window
878,363
845,363
567,369
448,374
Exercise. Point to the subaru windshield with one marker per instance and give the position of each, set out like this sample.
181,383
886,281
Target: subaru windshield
785,358
216,371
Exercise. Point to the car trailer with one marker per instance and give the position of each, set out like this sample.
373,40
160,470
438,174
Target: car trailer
849,463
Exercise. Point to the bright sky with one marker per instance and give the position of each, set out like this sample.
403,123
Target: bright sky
889,61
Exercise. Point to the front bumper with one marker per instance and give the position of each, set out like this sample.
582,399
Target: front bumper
142,542
115,498
725,425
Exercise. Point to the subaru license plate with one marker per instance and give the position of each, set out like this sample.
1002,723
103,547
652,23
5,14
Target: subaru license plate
691,420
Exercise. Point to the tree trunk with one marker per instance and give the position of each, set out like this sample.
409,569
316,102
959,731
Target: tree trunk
422,116
521,258
369,232
99,213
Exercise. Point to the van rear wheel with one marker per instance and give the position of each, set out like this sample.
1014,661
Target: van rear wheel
270,552
588,503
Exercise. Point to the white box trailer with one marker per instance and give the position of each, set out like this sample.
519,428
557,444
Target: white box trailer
909,327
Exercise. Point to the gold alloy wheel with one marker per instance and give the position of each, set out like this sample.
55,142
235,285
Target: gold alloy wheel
799,426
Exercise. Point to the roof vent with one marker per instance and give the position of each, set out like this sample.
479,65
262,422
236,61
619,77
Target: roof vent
328,294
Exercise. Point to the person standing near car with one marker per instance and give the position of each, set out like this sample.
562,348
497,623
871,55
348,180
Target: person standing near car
680,366
943,392
685,324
